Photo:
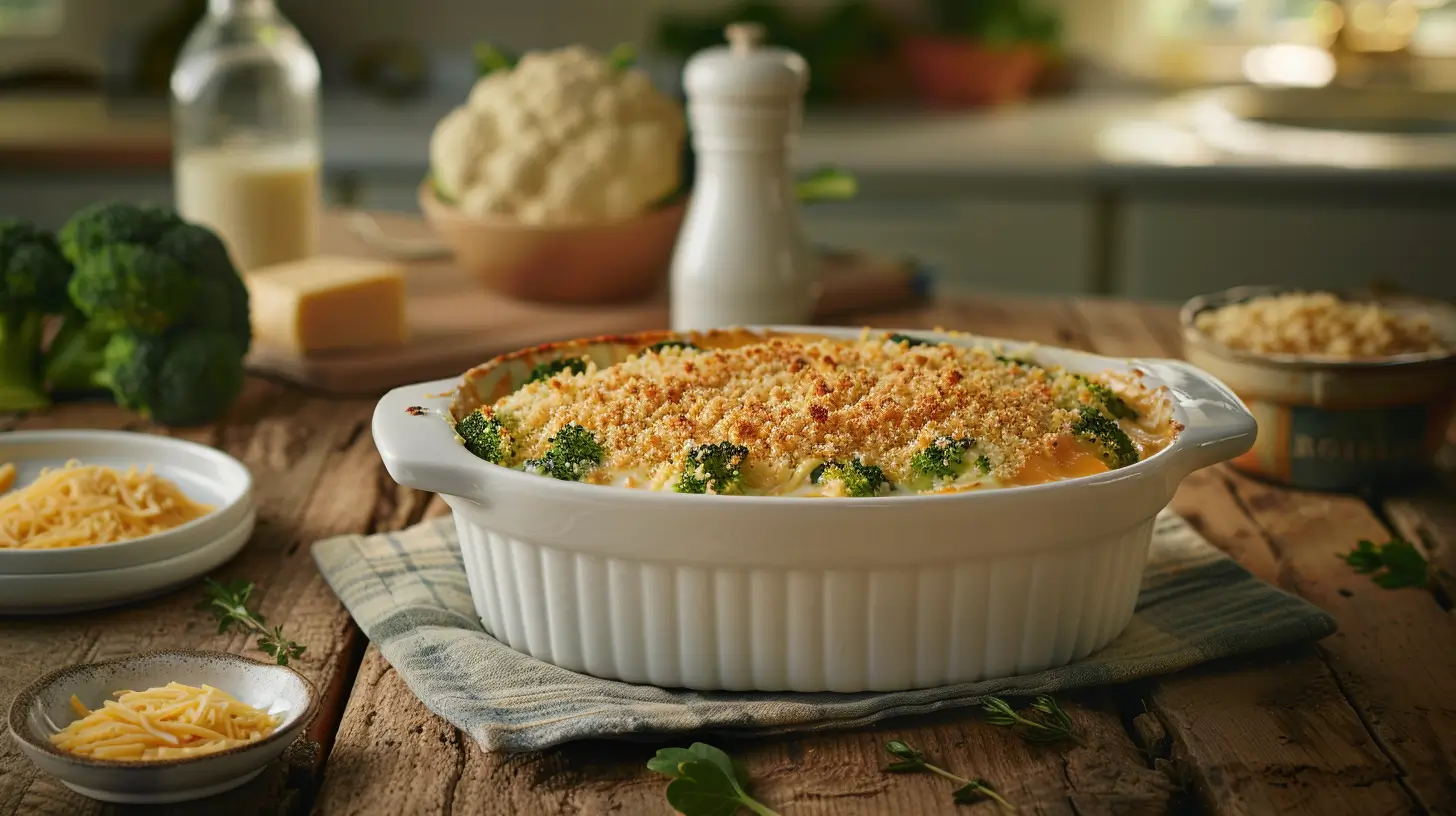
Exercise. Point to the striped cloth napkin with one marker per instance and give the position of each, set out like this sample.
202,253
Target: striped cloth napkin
408,592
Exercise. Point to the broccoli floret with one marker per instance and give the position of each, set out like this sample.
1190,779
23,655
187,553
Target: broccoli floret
550,368
906,340
148,283
106,223
221,301
131,286
180,378
713,468
983,464
945,458
1113,445
33,276
574,453
667,344
860,480
1107,398
486,436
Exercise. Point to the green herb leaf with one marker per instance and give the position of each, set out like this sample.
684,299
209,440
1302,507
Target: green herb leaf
967,791
622,56
826,184
489,59
1044,721
705,781
229,604
1395,564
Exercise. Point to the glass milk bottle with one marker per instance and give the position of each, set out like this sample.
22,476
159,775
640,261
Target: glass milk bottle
245,132
742,257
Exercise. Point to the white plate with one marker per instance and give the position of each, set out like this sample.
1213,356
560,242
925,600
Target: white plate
205,474
54,593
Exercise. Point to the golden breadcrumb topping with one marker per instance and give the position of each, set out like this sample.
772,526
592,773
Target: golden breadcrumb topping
792,401
1316,324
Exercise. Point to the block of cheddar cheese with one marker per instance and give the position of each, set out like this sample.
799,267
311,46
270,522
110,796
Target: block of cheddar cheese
328,304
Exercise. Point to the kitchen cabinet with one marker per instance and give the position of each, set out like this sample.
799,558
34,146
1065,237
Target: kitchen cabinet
1171,245
992,242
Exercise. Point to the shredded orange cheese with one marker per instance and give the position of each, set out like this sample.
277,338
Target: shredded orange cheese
80,505
169,722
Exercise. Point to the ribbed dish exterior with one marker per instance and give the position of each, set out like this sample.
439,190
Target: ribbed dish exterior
774,629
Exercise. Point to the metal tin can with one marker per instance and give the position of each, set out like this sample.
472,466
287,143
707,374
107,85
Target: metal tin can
1341,425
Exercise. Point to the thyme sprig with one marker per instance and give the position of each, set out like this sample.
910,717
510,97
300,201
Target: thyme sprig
228,602
967,791
1043,722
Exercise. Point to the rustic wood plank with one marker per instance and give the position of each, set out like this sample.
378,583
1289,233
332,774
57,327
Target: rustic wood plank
392,755
1395,653
1268,733
1426,517
316,474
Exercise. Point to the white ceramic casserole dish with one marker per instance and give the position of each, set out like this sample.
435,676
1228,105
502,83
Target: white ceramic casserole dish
805,594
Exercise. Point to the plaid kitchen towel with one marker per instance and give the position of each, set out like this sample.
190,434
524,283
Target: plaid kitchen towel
408,593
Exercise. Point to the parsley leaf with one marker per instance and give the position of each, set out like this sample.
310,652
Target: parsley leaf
705,781
229,604
1393,565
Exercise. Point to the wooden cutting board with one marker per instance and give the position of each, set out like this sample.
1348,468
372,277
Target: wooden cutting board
456,323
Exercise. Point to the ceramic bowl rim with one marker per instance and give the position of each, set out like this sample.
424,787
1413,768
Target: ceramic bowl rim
23,698
1189,311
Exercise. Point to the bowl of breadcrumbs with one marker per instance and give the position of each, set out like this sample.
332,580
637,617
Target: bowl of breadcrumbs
1350,392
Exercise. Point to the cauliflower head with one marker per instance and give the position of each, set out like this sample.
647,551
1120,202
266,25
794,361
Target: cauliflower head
564,137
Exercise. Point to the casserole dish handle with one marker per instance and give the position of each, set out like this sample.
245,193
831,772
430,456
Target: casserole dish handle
1219,427
418,443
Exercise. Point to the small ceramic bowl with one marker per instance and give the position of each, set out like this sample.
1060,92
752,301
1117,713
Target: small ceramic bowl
586,263
1340,425
43,708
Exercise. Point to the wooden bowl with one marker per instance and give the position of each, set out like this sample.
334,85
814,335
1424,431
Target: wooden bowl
585,263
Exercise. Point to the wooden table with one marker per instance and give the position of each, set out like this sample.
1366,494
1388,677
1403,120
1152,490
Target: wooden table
1362,723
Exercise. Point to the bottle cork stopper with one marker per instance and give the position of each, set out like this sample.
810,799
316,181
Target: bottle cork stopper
744,37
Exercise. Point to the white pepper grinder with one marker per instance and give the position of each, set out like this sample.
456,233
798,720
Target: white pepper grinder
742,256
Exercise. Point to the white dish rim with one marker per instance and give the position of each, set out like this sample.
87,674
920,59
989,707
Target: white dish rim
226,517
232,541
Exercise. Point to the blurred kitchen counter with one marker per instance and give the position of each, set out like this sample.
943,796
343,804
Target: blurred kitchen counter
1100,194
1107,138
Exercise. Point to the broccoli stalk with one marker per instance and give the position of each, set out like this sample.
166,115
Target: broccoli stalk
859,480
574,453
21,386
77,356
33,276
716,468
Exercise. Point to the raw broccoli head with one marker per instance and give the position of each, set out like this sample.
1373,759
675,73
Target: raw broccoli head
221,301
131,286
716,468
1113,446
860,480
945,458
180,378
550,368
1106,398
574,453
114,222
33,273
33,278
486,436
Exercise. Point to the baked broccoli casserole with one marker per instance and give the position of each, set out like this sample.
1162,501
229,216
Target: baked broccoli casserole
738,412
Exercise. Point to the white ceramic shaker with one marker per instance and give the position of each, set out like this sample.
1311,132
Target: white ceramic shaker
742,257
